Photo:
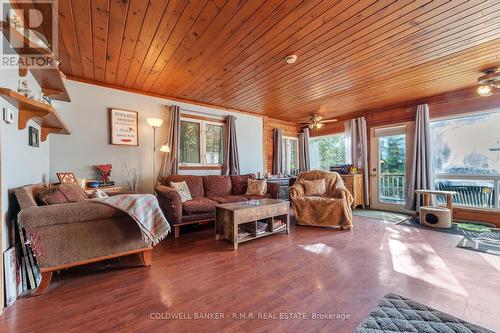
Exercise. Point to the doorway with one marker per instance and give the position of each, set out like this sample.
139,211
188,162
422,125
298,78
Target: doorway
390,158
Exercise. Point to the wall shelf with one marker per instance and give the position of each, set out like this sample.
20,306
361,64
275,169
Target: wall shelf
43,114
50,78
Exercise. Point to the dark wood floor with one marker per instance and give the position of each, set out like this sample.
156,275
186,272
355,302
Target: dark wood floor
310,270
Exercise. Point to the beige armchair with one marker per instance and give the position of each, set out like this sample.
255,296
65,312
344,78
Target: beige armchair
331,209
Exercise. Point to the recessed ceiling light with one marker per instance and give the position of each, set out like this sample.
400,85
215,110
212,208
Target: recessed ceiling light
291,59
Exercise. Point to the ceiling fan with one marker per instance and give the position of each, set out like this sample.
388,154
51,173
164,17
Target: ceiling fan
316,121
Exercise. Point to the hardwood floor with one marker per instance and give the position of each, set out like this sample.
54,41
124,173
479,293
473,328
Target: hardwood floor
310,270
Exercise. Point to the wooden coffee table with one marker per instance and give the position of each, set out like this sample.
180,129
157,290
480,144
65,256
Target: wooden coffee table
228,218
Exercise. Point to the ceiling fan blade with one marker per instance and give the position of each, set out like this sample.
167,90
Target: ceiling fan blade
329,121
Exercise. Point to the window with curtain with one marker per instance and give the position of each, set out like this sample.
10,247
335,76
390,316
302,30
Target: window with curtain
326,151
201,143
290,159
466,158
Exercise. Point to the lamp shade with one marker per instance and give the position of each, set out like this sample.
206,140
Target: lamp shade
154,122
165,149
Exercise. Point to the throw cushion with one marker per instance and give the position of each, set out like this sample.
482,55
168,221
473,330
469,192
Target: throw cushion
315,187
62,193
195,183
256,187
217,186
183,190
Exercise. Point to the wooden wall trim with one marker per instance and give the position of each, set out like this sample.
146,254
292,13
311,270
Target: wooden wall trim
176,99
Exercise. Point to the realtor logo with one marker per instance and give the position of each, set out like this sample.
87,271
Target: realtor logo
31,35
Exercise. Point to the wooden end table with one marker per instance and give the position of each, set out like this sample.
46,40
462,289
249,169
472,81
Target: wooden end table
228,218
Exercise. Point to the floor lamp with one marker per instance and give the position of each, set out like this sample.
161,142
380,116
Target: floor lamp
154,123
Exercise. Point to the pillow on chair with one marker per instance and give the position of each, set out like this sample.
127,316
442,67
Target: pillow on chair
62,193
314,187
256,187
183,190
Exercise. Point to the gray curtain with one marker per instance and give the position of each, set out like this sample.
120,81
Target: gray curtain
169,165
421,166
357,149
304,160
231,165
277,151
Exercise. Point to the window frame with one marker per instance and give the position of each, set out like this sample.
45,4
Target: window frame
203,141
495,178
340,134
287,168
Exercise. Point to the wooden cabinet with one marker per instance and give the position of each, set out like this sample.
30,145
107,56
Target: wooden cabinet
355,185
285,183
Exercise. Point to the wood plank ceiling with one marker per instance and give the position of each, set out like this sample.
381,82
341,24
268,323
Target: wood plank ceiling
352,55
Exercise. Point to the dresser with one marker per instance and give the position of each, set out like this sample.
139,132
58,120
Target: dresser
355,185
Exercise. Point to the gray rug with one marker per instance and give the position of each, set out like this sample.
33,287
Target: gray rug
395,314
486,242
381,215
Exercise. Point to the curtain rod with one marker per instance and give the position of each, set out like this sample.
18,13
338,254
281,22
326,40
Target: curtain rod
200,112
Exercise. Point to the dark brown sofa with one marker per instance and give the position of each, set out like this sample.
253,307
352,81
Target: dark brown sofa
207,192
72,234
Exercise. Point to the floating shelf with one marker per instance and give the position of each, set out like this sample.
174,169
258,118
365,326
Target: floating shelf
50,78
43,114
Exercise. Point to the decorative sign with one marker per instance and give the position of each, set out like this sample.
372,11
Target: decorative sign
124,129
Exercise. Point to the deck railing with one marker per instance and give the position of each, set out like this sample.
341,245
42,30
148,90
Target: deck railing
477,191
392,187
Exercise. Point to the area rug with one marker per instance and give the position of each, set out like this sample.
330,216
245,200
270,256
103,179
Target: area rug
381,215
486,242
398,314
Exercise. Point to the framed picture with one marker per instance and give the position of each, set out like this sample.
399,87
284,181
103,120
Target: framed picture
33,137
124,127
67,178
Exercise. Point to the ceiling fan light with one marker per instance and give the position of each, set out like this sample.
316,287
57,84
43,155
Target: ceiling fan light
320,125
484,90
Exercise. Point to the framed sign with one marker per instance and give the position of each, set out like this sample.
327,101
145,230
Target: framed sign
124,127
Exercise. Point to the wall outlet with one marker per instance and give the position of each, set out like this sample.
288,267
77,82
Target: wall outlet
8,115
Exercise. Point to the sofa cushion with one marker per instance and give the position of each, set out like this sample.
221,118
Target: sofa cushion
258,197
27,196
240,183
198,205
314,187
217,186
228,199
63,193
194,183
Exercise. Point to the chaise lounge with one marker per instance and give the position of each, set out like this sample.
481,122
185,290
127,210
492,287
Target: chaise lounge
72,234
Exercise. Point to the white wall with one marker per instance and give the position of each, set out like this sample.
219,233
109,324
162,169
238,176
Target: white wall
88,119
21,164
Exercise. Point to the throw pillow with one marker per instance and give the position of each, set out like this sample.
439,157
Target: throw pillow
62,193
99,194
256,187
314,187
183,190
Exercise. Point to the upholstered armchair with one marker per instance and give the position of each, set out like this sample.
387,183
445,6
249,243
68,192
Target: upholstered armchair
332,208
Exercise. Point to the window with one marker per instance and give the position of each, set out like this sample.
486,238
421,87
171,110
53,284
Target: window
201,143
290,155
466,158
326,151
